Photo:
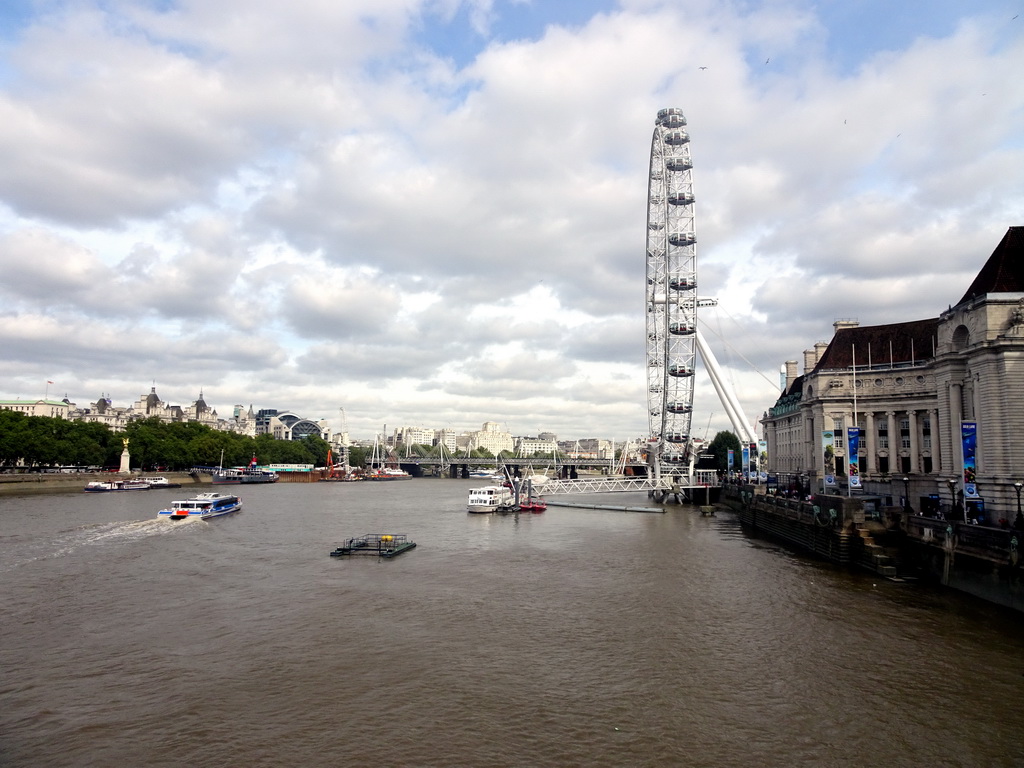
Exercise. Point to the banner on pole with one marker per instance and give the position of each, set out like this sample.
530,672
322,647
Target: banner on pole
969,443
853,456
828,453
730,460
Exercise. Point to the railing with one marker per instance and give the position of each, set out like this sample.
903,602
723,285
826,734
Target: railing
996,544
669,484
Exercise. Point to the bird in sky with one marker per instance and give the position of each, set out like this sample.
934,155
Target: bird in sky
768,59
701,67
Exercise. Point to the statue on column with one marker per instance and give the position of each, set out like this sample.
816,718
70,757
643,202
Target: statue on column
125,457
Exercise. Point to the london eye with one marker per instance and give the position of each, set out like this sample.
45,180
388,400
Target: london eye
671,293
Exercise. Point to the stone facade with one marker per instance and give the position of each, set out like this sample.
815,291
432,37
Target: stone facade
908,386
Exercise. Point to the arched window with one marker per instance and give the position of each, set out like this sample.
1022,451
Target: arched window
961,337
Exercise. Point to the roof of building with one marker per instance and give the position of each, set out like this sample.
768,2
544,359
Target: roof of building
881,345
1004,270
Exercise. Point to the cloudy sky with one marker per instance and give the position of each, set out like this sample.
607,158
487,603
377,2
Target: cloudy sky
432,212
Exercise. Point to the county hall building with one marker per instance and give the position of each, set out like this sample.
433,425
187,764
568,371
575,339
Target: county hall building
929,412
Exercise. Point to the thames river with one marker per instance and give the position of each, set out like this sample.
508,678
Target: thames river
576,637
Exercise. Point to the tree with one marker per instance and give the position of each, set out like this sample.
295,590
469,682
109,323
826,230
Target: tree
720,445
356,455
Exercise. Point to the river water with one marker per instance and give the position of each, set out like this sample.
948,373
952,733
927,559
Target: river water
576,637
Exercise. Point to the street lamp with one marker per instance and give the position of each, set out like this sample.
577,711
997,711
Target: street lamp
952,493
1018,521
906,495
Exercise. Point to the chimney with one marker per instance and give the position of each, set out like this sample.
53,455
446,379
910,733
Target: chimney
790,373
819,350
809,361
840,324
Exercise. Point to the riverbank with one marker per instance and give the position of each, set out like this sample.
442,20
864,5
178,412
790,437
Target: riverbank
60,483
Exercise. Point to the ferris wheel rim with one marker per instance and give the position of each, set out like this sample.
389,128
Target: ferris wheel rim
670,274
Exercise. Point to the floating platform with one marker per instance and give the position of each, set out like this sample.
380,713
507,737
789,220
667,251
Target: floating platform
376,544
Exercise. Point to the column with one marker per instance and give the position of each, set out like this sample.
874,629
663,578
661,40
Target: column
894,441
915,458
949,466
937,453
869,442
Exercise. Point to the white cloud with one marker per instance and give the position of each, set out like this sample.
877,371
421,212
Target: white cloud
309,205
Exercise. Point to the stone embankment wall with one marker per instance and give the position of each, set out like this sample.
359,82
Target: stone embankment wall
35,482
825,527
978,560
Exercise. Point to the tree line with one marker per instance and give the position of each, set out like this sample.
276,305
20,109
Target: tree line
43,441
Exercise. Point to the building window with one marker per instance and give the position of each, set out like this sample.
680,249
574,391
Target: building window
883,435
905,465
926,462
883,464
904,433
926,434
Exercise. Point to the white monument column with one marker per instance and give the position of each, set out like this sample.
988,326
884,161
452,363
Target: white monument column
125,458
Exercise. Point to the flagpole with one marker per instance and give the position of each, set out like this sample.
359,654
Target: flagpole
849,465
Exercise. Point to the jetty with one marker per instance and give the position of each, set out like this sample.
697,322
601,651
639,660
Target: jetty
375,544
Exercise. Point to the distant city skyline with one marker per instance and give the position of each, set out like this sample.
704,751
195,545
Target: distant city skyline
338,426
434,213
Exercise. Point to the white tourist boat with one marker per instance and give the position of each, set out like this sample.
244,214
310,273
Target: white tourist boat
103,486
203,506
159,482
489,498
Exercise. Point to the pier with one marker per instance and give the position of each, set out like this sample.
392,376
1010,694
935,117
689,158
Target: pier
376,544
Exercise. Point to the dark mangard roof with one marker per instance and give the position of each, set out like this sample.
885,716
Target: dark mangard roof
880,345
1004,270
792,395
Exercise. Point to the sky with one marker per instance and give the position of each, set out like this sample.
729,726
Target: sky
432,213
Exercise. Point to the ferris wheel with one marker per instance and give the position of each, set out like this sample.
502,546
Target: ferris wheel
671,291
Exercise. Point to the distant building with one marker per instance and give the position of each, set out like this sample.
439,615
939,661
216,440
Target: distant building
490,438
929,398
528,446
412,436
285,425
57,409
447,438
588,448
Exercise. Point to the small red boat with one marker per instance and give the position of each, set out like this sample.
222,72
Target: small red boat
533,505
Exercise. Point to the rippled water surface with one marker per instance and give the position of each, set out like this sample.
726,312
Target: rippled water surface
576,637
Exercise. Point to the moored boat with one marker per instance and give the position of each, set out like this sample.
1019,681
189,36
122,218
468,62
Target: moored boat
203,506
102,486
243,476
489,498
387,473
159,482
533,505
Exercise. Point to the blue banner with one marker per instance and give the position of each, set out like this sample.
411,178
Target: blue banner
969,441
853,455
745,458
730,460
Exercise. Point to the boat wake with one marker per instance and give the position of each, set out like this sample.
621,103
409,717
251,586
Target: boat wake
101,534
